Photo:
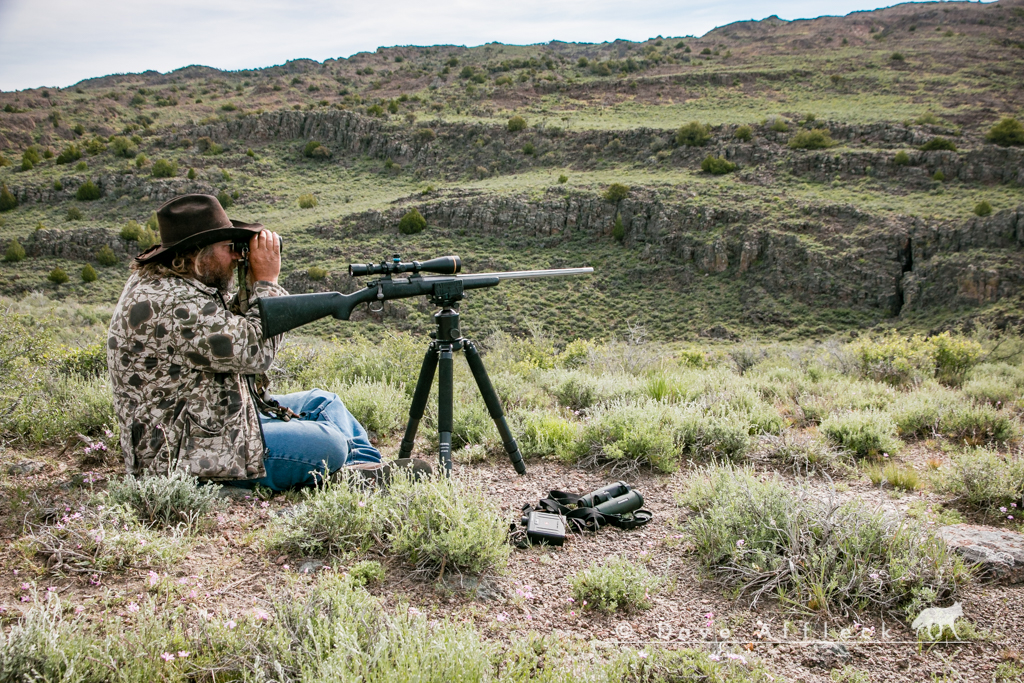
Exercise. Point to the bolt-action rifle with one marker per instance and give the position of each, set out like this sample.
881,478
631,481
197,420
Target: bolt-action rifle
397,280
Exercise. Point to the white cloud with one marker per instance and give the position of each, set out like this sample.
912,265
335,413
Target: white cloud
59,42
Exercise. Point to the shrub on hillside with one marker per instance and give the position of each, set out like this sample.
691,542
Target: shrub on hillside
89,273
123,147
162,168
901,159
760,538
616,192
864,433
693,134
105,256
541,433
938,143
310,150
516,124
1007,132
69,154
74,214
15,252
612,585
744,133
57,276
778,124
899,360
717,165
983,208
307,201
87,192
412,222
7,199
316,273
819,138
131,232
997,384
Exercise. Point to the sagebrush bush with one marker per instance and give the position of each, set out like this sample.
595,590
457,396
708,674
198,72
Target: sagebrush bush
899,360
616,192
983,208
983,480
174,499
693,134
162,168
921,412
334,518
123,147
69,154
105,256
612,585
717,165
15,252
542,433
997,384
938,143
366,572
901,159
131,232
977,424
7,199
381,407
55,408
763,539
1007,132
103,538
441,524
412,223
58,276
744,133
864,433
89,273
516,124
87,192
74,214
819,138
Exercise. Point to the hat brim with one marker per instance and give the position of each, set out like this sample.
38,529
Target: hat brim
236,231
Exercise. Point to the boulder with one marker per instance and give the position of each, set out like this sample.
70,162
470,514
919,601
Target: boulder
998,552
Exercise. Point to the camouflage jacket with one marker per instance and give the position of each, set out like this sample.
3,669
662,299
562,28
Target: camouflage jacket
178,357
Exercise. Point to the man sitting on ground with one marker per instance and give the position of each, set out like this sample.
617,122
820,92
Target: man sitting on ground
183,364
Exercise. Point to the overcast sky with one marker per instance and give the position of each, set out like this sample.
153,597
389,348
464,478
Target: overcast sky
60,42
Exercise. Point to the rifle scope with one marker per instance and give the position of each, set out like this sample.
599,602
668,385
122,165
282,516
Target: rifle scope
443,265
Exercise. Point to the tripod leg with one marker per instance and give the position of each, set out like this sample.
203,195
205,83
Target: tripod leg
476,364
445,398
419,400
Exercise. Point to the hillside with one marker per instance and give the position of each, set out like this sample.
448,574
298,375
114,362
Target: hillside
832,218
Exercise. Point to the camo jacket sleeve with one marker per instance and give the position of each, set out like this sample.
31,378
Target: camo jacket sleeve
178,360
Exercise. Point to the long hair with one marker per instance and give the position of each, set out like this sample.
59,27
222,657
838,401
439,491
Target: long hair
180,265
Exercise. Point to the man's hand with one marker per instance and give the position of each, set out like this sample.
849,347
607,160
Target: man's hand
265,257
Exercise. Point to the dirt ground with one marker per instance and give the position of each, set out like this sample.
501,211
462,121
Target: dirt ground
229,571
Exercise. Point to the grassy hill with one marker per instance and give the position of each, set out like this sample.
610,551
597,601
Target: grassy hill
828,214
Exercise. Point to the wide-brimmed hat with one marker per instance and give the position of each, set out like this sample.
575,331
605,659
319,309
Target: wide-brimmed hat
195,220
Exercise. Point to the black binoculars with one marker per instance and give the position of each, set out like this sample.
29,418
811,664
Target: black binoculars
242,247
613,499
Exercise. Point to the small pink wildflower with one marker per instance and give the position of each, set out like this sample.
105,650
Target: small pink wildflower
714,658
154,578
643,655
362,503
25,598
1013,505
230,623
79,609
873,576
264,504
133,607
1002,509
142,541
261,615
502,617
25,586
167,657
1009,516
183,654
739,543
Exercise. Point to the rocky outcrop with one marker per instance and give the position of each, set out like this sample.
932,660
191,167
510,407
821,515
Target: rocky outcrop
998,553
835,253
127,185
80,244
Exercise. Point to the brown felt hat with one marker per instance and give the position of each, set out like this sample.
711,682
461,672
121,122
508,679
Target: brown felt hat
195,220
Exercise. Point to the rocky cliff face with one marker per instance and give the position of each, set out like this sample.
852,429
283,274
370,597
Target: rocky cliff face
901,265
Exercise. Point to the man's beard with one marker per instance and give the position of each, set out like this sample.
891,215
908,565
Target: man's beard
211,274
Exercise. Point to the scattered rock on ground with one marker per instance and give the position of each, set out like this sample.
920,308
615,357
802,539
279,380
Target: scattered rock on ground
999,552
25,467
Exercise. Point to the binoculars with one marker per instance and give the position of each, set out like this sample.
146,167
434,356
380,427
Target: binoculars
612,500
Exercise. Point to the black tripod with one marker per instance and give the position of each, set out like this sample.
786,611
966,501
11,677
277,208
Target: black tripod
446,341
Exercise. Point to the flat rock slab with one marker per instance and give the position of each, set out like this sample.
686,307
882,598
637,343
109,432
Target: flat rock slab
999,552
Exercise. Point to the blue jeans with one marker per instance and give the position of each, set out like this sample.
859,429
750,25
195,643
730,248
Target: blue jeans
326,433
